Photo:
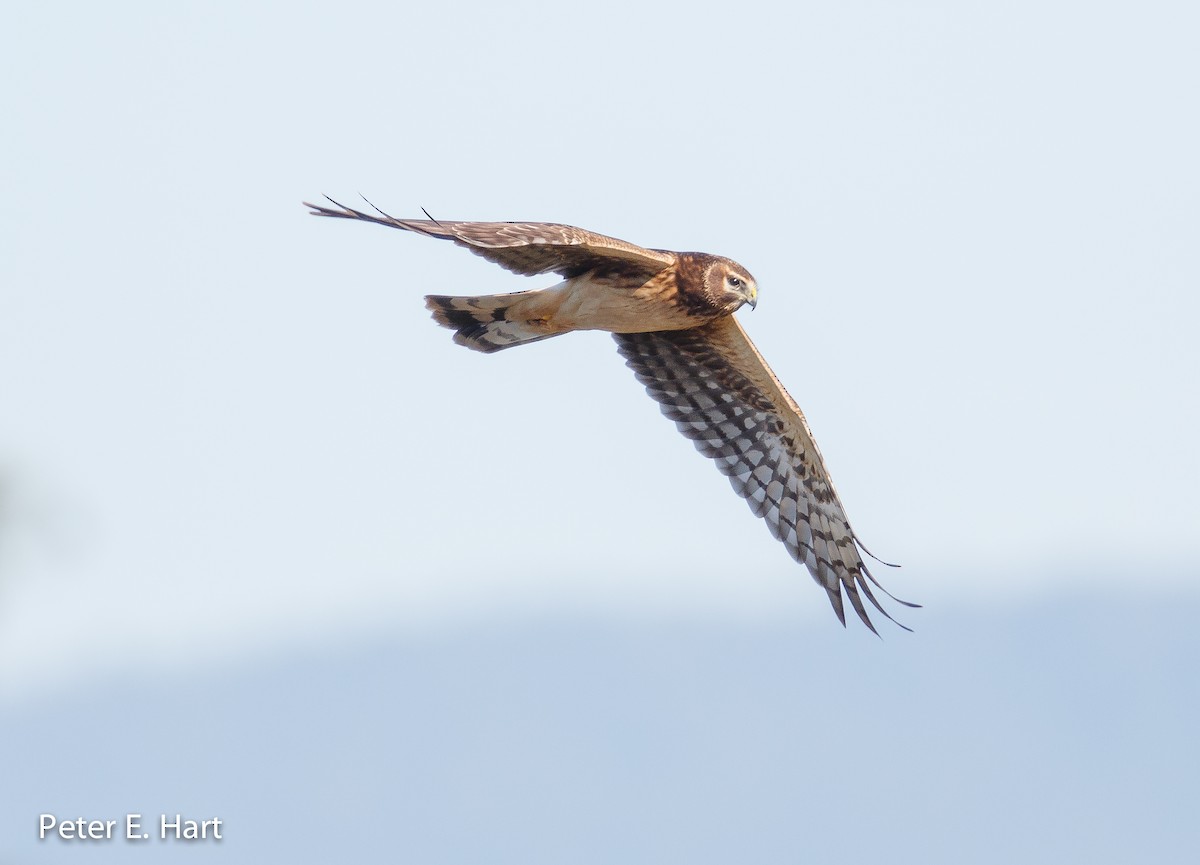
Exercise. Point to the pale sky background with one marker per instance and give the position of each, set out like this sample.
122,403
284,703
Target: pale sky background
231,438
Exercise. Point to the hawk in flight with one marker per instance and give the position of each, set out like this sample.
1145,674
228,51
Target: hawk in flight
671,314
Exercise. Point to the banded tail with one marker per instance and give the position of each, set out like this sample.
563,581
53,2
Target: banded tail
483,323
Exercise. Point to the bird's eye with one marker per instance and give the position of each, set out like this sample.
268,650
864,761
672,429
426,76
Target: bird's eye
735,282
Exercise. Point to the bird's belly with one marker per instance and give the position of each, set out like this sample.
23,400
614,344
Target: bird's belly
588,305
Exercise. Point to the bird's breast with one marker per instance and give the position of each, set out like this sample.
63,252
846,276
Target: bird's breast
596,301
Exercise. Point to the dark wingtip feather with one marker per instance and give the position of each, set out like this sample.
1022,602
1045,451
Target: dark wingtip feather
863,547
835,601
879,586
385,215
866,587
344,212
320,210
857,603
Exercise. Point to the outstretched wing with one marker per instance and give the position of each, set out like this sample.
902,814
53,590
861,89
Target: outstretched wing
528,248
714,384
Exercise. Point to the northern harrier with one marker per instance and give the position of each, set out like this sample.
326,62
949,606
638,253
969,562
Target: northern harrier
671,315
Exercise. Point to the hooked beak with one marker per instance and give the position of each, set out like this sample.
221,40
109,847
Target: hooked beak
752,297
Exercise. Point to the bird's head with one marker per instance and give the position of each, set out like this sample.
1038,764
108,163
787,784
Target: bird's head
730,285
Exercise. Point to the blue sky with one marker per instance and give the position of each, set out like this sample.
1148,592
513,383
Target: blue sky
1056,731
231,439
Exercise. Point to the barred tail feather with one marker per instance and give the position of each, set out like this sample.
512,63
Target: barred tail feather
482,323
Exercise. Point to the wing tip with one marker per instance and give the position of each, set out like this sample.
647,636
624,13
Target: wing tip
879,585
384,218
